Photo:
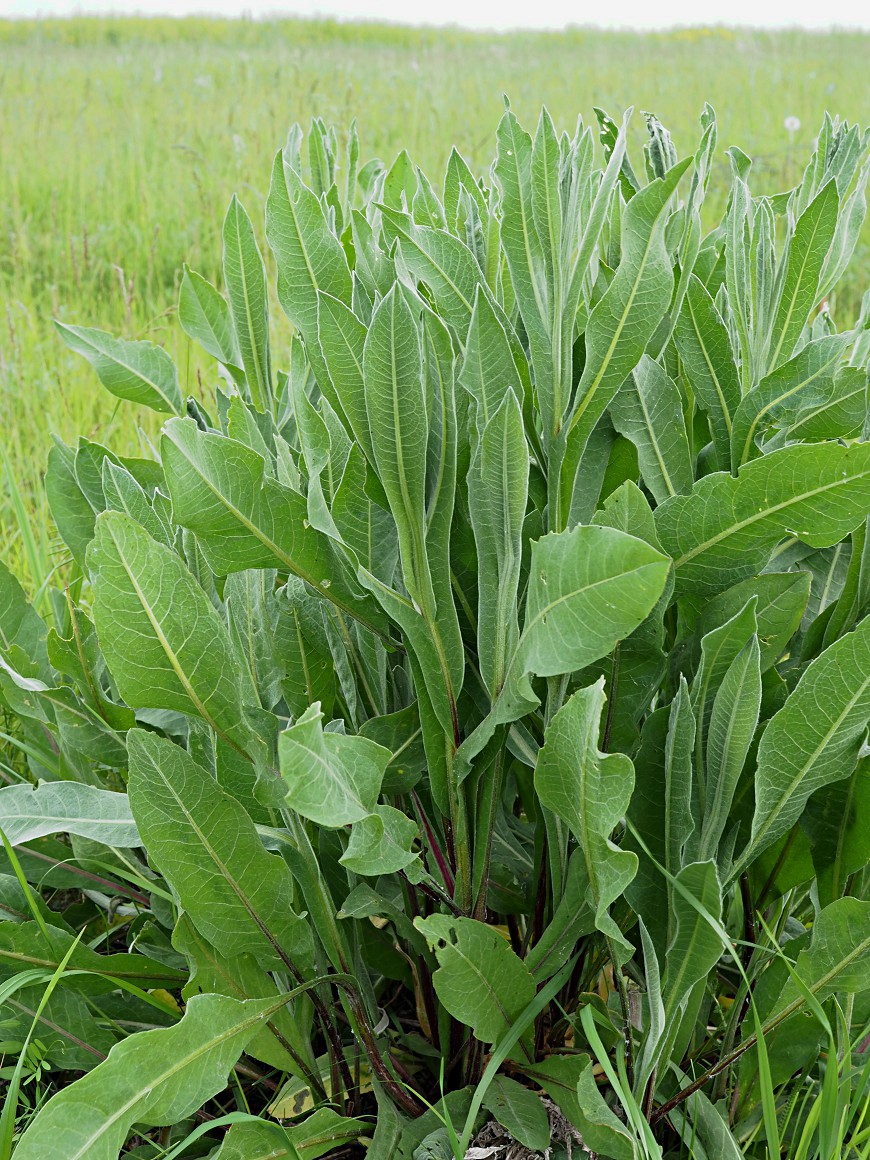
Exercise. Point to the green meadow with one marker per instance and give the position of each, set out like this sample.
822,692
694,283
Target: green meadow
122,141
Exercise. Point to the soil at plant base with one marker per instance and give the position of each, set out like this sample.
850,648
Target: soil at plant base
493,1142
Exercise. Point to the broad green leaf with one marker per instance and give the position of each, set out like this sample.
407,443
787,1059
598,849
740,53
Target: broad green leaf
205,317
440,260
696,946
497,497
245,278
708,360
590,791
28,812
648,410
243,518
838,413
204,843
331,778
813,740
588,588
259,1140
164,643
624,321
728,527
308,255
155,1077
799,384
480,980
807,251
139,372
520,1111
70,510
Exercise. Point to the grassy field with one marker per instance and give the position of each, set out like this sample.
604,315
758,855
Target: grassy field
121,142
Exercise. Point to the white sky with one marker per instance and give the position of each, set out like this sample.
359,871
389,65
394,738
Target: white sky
502,14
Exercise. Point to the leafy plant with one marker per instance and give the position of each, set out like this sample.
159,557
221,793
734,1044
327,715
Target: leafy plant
470,699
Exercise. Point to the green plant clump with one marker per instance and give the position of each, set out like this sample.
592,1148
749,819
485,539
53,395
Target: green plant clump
467,700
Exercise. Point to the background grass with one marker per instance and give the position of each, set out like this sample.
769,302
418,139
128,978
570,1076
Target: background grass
121,142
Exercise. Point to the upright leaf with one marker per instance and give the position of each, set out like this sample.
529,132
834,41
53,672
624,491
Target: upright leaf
245,277
590,792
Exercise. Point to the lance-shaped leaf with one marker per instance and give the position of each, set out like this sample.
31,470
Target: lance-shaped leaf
497,496
442,261
780,600
839,412
28,812
520,1111
728,527
342,339
24,946
331,778
807,251
137,371
205,845
648,411
156,1077
524,252
243,518
205,317
799,384
480,980
590,791
696,945
813,740
245,277
308,255
837,959
164,643
733,720
708,361
625,319
488,370
396,407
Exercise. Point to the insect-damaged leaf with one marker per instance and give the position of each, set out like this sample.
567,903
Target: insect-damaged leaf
480,980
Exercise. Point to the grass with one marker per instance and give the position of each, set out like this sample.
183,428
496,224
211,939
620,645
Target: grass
123,140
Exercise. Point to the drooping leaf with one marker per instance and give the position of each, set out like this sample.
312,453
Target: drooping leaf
520,1111
205,317
28,812
156,1077
139,372
330,778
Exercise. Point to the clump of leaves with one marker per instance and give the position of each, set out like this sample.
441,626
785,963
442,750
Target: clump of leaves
471,697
